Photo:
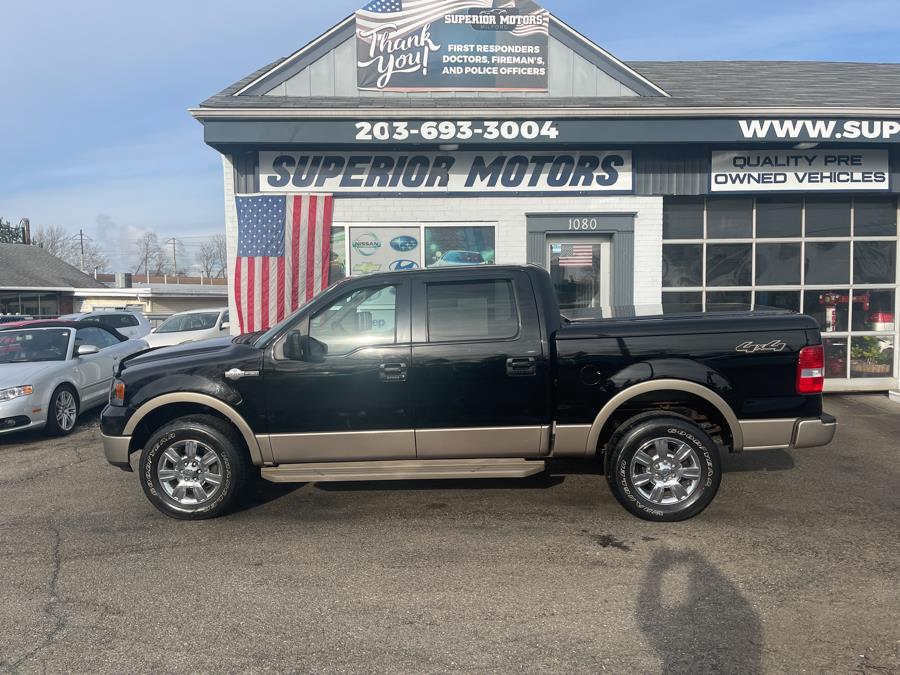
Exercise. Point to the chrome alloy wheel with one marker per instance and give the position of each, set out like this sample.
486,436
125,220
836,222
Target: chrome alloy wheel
666,471
190,472
66,410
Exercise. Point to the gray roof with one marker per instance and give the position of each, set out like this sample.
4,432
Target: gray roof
690,84
25,267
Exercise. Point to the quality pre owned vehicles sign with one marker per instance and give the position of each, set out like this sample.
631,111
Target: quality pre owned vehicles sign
446,173
452,45
800,170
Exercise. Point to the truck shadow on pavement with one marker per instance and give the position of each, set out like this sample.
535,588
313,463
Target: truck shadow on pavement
757,460
695,620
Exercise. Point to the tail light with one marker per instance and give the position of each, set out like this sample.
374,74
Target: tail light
811,370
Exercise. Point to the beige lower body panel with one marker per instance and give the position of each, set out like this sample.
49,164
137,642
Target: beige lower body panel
483,442
571,440
768,434
347,447
432,469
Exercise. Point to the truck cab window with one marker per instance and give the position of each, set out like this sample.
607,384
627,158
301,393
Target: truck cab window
476,310
364,318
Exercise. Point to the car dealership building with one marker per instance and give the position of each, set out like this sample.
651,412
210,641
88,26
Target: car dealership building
484,132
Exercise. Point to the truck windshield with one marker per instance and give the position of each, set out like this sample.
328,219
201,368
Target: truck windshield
31,346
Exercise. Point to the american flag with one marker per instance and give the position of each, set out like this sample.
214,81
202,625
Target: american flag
283,255
576,255
410,16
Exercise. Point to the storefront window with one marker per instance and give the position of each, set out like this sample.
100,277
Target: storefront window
683,218
830,308
337,269
729,264
9,303
689,301
872,356
875,217
874,262
778,217
682,265
835,358
828,217
873,311
841,269
729,218
789,300
777,264
827,262
728,300
456,246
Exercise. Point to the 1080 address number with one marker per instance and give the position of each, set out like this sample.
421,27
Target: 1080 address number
455,131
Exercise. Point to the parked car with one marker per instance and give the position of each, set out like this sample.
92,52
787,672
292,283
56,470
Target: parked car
14,318
459,258
193,326
468,373
130,323
51,371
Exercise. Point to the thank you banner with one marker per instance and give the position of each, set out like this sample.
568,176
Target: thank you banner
800,170
438,173
452,45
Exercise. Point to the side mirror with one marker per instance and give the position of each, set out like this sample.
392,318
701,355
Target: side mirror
225,326
86,350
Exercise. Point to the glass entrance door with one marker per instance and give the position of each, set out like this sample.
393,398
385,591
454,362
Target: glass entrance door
580,268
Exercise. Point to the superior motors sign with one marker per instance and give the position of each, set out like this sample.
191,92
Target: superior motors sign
800,171
452,45
437,173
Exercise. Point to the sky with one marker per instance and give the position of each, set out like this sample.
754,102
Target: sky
94,128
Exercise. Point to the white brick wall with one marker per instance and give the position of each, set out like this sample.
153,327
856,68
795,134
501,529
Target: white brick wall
509,213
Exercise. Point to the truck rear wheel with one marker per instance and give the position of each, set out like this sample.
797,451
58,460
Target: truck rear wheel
194,468
664,469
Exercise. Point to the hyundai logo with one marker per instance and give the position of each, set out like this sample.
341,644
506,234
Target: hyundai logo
404,265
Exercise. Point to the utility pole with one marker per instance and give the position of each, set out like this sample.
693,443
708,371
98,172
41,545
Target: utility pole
174,243
81,239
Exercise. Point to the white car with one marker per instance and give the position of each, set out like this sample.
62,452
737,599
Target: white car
198,324
51,371
130,323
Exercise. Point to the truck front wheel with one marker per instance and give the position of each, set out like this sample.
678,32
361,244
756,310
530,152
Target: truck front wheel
194,468
664,469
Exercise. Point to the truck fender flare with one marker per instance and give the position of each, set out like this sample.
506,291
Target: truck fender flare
623,397
201,399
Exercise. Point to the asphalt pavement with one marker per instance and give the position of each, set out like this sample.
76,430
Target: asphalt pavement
794,568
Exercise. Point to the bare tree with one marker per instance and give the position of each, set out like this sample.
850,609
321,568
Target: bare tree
95,260
56,241
212,257
150,257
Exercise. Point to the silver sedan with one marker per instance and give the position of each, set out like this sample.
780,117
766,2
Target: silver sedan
50,372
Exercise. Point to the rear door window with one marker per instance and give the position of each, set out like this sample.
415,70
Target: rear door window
472,311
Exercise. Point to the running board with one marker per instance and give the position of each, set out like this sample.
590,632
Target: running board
429,469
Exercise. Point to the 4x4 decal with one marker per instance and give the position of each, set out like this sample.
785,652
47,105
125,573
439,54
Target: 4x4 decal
753,348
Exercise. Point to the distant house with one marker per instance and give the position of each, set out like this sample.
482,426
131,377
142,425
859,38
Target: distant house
35,283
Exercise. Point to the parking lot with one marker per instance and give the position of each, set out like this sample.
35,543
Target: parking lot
794,568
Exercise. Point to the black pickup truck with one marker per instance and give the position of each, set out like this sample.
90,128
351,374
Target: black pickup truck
467,373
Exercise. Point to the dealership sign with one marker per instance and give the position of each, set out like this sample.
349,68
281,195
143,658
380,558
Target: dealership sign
800,170
452,45
446,173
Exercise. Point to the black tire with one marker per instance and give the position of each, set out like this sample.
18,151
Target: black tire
54,428
232,463
701,466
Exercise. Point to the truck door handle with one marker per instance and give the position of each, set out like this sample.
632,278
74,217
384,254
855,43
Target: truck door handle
521,367
393,372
